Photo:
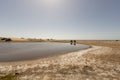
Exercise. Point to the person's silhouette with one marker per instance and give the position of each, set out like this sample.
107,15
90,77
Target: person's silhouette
71,42
74,42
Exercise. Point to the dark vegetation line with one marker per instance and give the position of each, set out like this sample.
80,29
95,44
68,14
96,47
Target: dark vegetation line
6,39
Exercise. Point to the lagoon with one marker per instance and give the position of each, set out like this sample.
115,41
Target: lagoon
18,51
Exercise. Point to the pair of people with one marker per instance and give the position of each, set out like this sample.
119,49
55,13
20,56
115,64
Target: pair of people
73,42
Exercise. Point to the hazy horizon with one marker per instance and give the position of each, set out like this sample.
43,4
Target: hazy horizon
60,19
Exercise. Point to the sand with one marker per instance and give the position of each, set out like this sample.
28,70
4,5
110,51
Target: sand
100,62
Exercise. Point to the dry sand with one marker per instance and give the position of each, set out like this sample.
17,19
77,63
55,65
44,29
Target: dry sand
96,63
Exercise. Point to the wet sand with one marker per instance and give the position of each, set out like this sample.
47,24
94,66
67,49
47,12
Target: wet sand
96,63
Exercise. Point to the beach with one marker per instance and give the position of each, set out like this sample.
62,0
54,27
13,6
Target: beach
100,62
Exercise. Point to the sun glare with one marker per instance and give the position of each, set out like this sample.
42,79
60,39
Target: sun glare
51,2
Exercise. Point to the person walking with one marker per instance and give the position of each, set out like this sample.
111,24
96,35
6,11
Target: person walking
74,42
71,42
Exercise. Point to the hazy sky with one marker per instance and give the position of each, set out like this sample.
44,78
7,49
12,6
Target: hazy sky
60,19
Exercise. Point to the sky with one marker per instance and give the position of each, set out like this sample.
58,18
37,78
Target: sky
60,19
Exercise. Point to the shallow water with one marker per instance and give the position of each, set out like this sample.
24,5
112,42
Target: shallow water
32,50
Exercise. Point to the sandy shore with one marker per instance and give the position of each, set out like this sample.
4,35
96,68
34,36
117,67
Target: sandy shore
96,63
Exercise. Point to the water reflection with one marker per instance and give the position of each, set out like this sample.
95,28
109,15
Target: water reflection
32,50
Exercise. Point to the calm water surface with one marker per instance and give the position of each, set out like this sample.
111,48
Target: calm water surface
32,50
